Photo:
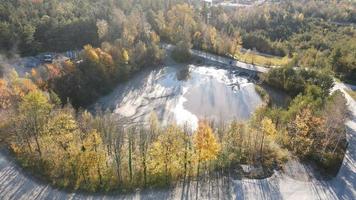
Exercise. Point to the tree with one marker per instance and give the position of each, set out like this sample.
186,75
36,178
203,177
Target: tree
90,54
268,130
103,28
61,145
131,141
5,95
205,143
180,22
335,113
144,144
206,146
34,111
93,159
167,153
125,56
181,53
304,131
232,144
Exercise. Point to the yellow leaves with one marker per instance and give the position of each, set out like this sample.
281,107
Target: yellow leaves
63,128
167,152
13,91
106,58
156,165
232,141
92,141
15,148
28,86
98,55
35,99
125,56
5,95
34,110
268,127
305,129
300,17
205,142
197,35
180,18
306,123
69,66
301,125
91,54
154,37
211,36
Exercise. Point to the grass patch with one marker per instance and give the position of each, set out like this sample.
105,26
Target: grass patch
253,58
352,94
262,92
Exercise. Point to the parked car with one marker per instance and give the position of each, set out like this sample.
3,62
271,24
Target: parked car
48,58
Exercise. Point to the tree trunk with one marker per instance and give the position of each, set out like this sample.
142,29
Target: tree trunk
118,163
261,150
197,188
130,157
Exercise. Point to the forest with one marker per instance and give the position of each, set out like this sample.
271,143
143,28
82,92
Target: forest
78,150
313,34
44,119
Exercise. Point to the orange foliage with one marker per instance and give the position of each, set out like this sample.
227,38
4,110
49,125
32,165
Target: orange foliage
68,66
33,72
104,57
10,93
4,95
53,71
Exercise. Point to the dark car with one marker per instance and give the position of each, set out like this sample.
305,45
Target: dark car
48,58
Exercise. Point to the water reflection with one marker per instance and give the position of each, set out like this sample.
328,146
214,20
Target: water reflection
184,94
184,73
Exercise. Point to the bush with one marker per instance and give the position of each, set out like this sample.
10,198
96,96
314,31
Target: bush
264,95
181,53
295,81
330,162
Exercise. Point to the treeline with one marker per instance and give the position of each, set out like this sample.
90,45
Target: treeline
77,150
343,11
316,34
295,81
37,26
187,27
32,26
303,30
98,70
